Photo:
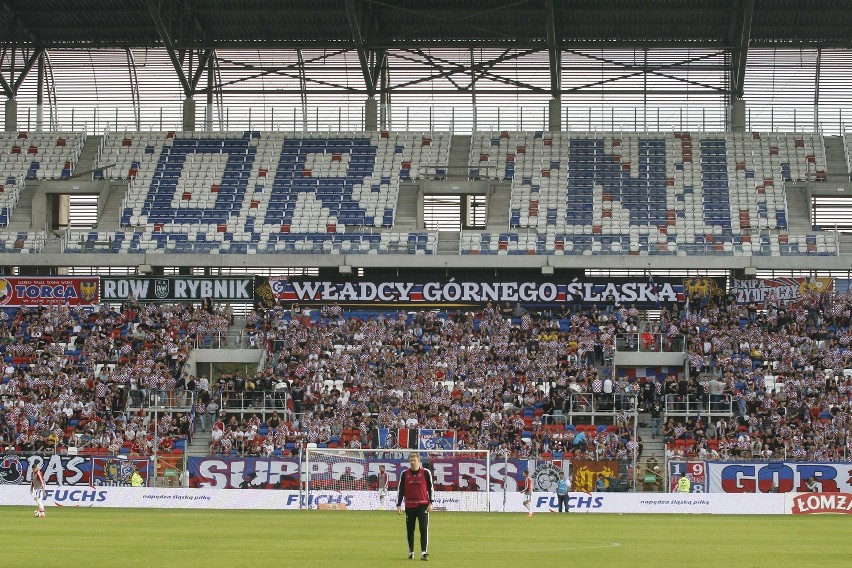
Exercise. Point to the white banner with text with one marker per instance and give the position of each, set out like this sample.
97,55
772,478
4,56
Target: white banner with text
172,498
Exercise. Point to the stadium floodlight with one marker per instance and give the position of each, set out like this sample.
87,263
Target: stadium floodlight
338,478
345,269
547,270
145,269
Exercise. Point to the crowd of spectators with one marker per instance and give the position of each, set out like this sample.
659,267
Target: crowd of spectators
499,377
79,379
801,413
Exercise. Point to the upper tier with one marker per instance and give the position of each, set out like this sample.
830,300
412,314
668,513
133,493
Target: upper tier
571,192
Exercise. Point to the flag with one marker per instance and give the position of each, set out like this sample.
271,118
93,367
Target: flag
437,439
388,438
382,438
654,289
407,438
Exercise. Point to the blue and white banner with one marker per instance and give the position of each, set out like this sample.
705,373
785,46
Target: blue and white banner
789,477
431,439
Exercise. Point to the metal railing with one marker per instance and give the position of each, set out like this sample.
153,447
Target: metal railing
650,343
599,405
161,400
704,404
261,402
461,119
230,340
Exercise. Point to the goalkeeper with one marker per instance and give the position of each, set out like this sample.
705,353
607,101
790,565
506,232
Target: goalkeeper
415,488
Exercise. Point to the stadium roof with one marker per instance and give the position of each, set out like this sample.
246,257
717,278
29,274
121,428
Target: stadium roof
387,24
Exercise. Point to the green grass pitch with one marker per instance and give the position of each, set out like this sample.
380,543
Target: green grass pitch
131,537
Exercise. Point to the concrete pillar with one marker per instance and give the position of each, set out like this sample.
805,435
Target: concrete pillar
11,115
738,115
188,114
371,115
208,117
554,114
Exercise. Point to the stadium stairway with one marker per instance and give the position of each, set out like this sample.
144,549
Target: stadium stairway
406,207
845,243
88,155
22,217
650,447
200,444
448,242
457,166
836,168
499,197
110,214
798,209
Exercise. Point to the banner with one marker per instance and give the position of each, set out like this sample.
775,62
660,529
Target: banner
585,473
449,474
437,439
71,470
778,291
180,498
49,291
176,289
697,472
393,438
495,501
819,503
658,373
790,477
643,293
687,503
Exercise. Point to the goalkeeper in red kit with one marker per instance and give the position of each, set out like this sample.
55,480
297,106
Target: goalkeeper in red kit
415,488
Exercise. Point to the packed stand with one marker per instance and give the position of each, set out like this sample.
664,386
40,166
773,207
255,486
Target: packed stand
497,377
79,380
785,370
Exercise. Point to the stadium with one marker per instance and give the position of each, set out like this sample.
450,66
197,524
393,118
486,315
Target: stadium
253,250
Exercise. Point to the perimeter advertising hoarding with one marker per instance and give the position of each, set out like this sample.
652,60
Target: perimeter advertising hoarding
177,288
779,291
819,503
17,291
454,292
498,501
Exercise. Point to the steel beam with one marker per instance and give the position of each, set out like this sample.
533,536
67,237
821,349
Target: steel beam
153,9
553,49
31,60
741,40
358,39
7,89
202,65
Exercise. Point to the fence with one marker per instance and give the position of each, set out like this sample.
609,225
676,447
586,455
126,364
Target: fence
460,119
650,343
